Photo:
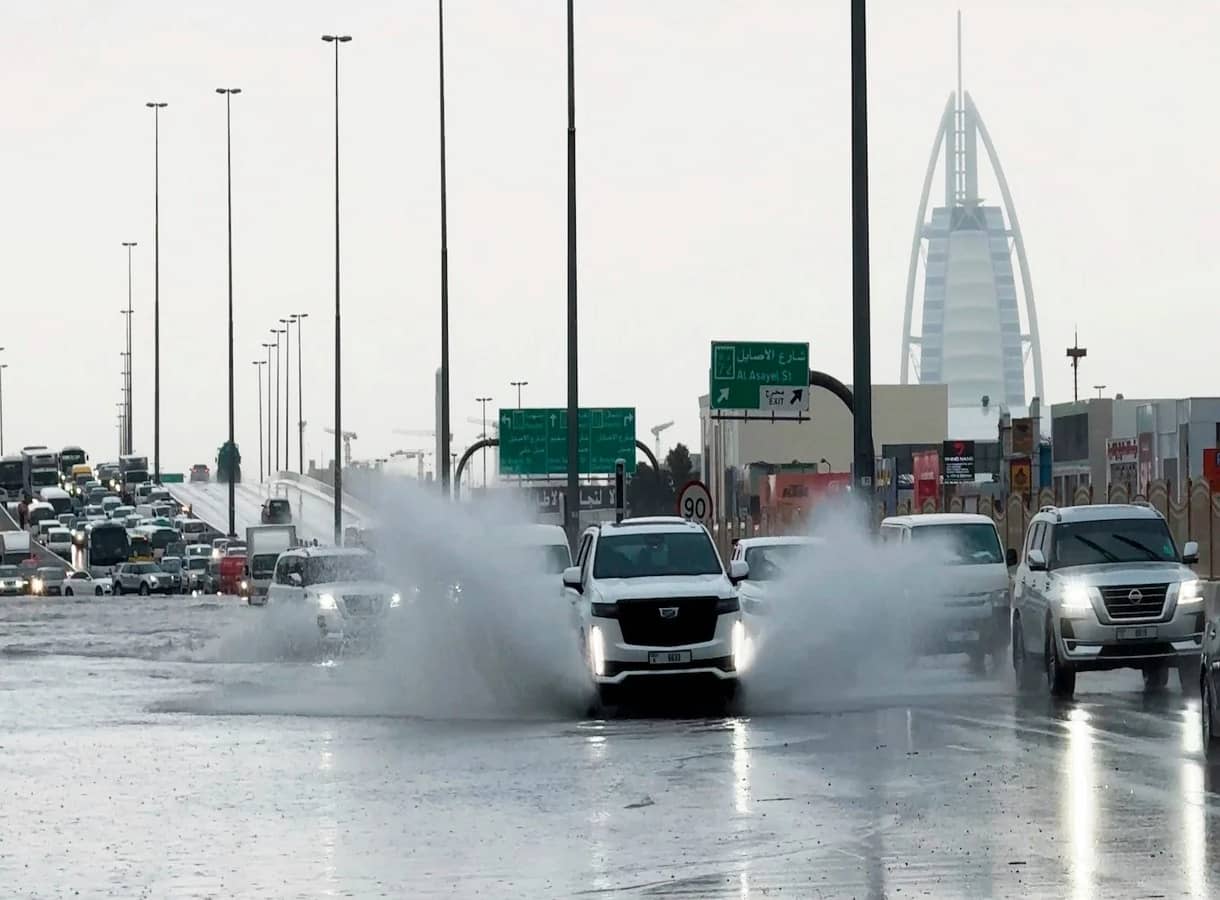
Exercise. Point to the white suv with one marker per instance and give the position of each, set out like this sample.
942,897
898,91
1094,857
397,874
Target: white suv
1104,587
652,600
340,591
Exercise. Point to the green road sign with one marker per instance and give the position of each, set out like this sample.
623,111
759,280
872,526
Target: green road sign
535,441
759,375
172,478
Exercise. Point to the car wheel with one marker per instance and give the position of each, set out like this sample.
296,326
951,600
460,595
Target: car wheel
608,695
1060,677
1156,677
118,589
143,590
98,592
1211,744
67,592
1026,674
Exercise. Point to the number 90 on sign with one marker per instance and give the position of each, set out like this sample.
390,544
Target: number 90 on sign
695,502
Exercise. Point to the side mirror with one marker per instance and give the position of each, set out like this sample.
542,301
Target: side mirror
571,578
739,571
294,579
1036,560
1011,559
1190,553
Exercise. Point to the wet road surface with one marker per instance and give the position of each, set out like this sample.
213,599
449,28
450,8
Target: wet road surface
160,747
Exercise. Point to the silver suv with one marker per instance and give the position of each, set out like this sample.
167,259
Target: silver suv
1104,587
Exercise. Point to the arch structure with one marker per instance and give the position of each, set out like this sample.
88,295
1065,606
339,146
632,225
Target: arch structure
972,336
485,443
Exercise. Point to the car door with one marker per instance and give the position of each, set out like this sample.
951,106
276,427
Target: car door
1033,592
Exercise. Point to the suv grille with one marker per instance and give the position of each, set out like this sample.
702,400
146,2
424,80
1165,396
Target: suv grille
1135,601
362,604
643,624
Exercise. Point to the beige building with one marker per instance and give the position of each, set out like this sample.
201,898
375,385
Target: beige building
902,414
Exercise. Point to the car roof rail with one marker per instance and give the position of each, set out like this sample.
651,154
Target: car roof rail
1142,503
1049,509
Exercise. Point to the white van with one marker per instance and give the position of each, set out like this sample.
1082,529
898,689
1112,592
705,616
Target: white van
547,546
58,498
973,592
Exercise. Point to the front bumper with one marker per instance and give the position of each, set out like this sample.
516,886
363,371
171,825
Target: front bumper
1090,645
961,627
713,659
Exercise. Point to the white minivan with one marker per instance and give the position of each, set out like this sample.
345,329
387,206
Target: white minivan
968,607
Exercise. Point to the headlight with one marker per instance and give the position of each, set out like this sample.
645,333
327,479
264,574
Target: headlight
327,601
245,585
36,585
1190,592
1077,598
395,600
741,647
597,651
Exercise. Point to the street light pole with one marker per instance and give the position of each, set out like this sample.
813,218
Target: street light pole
228,94
258,371
518,385
127,439
124,444
443,424
156,106
277,332
862,365
288,395
483,453
572,506
3,366
300,317
268,347
337,39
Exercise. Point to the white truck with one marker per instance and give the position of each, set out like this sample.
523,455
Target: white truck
16,547
264,544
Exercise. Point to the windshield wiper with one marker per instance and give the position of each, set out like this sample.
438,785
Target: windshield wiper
1131,542
1110,557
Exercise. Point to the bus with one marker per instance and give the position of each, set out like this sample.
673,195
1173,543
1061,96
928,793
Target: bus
12,476
70,457
41,469
106,546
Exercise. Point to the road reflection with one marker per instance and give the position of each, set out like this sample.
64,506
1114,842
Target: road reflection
1193,803
1080,803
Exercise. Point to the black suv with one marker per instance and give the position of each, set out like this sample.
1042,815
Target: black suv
276,511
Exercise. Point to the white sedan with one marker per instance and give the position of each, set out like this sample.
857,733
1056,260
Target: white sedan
82,584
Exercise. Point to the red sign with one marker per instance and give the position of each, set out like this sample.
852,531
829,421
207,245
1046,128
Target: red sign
800,491
925,466
1211,469
1122,450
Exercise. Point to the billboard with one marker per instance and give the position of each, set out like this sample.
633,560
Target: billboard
926,470
959,462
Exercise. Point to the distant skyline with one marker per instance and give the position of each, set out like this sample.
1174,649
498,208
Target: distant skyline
713,178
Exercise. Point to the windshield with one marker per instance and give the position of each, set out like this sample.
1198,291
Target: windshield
108,546
44,478
277,506
171,565
971,544
163,537
327,569
8,571
12,473
1113,541
553,559
654,553
197,563
770,562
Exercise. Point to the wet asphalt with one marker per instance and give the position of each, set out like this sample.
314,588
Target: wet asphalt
162,748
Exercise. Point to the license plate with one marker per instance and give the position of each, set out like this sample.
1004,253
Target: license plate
668,657
962,637
1136,633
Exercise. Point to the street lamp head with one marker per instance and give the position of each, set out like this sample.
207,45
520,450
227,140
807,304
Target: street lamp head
154,104
129,243
228,90
341,38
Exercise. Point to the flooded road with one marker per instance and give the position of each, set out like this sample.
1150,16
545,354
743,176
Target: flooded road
163,747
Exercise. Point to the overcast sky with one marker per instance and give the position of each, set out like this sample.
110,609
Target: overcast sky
714,201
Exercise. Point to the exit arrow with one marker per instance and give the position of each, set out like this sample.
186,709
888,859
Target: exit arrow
724,395
796,396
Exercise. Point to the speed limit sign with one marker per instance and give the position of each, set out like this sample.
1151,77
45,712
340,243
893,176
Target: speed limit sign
694,502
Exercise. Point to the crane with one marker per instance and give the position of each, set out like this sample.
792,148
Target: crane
656,434
348,437
417,455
